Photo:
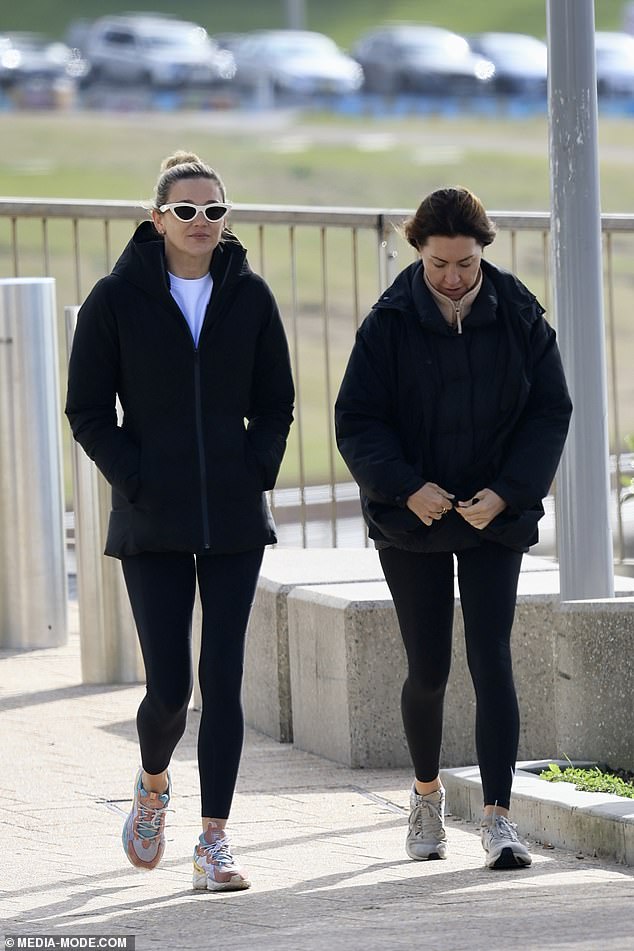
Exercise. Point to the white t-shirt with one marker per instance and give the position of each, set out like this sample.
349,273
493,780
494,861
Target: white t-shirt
192,296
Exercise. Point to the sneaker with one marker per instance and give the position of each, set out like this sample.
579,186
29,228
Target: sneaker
502,844
214,866
427,838
143,836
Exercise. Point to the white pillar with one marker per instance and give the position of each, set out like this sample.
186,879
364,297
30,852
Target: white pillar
33,593
108,640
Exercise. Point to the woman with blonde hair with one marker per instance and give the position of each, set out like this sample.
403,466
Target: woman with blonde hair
191,342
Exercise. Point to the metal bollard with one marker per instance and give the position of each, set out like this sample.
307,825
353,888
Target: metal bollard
33,592
109,646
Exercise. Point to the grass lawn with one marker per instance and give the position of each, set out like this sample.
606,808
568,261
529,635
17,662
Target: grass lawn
310,160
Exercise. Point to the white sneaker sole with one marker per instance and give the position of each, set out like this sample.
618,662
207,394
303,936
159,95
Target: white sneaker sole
200,882
439,853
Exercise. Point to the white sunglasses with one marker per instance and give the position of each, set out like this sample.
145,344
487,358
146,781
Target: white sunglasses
187,210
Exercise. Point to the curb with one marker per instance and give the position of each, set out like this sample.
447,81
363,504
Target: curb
557,814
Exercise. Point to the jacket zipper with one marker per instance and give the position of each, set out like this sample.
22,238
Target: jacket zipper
201,452
457,309
199,420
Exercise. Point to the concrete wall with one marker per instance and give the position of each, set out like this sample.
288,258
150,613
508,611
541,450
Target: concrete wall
267,685
532,644
347,667
266,693
325,666
346,670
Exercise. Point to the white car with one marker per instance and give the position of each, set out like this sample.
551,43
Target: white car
156,50
615,64
520,61
296,62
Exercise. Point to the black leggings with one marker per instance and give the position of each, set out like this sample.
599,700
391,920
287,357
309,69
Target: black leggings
161,588
422,586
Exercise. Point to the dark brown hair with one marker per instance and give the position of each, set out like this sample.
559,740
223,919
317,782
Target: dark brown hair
449,212
183,165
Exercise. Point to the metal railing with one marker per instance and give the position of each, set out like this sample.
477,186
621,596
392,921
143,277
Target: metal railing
326,267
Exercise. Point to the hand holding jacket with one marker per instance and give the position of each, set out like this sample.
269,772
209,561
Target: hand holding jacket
430,502
480,511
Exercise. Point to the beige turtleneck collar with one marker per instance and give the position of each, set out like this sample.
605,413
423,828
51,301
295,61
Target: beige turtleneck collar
455,311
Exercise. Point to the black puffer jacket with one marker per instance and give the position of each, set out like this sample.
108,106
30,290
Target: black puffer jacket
488,408
185,472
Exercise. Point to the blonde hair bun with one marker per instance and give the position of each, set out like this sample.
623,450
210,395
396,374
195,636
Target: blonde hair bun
183,165
180,158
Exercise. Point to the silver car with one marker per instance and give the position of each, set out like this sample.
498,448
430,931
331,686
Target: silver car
29,57
156,50
520,60
295,62
421,59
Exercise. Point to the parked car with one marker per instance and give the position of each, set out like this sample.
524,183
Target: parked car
157,50
521,62
29,57
296,62
424,59
614,63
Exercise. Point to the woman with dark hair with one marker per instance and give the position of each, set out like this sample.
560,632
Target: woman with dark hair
451,417
191,341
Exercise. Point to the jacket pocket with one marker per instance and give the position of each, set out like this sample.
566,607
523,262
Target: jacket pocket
253,465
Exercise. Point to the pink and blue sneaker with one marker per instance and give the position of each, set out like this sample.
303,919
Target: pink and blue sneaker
143,834
214,865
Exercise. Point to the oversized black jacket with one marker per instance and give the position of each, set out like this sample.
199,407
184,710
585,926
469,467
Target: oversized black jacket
487,408
186,473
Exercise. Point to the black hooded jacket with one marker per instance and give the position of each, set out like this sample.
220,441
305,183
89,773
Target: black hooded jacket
487,408
186,473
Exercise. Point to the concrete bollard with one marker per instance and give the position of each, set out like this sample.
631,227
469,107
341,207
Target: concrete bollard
33,593
109,646
594,681
267,685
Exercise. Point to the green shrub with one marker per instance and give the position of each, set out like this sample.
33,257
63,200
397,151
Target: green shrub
589,780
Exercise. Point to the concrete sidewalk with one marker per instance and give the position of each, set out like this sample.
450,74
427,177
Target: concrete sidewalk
323,844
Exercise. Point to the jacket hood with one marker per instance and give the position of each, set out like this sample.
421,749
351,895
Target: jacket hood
410,294
144,257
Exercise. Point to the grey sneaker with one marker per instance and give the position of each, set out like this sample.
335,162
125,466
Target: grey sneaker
426,837
502,844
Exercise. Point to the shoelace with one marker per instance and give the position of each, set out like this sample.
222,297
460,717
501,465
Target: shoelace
150,821
219,851
503,828
431,822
